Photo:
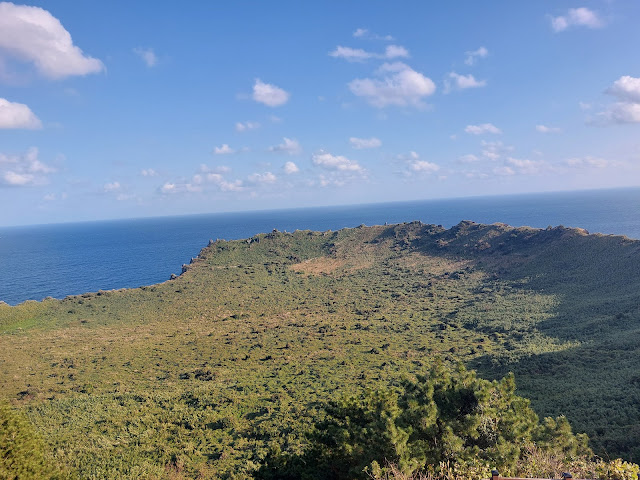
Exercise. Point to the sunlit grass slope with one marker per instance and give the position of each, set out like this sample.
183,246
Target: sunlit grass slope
203,374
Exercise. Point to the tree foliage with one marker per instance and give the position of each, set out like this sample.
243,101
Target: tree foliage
443,420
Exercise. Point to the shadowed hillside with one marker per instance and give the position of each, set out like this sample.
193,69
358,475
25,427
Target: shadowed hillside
207,373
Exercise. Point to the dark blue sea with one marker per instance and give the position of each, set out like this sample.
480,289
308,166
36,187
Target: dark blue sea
73,258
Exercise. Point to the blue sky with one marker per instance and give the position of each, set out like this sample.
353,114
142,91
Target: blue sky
132,109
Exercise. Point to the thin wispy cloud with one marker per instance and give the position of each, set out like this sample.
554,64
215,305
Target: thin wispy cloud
364,33
147,55
456,81
223,149
473,56
245,126
576,17
362,143
482,129
359,55
546,129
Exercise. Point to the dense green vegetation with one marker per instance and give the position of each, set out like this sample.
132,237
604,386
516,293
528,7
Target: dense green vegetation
241,356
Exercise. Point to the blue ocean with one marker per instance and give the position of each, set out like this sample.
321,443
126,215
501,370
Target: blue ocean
73,258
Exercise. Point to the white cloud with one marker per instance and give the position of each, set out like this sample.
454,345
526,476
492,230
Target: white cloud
269,95
201,182
169,188
366,34
627,110
626,88
494,150
217,169
148,172
545,129
359,55
473,55
360,32
469,158
621,112
398,85
17,115
361,143
24,170
395,51
350,54
526,166
335,162
32,34
461,82
266,177
223,150
112,187
290,168
147,55
424,166
482,129
244,126
580,17
289,146
587,161
504,171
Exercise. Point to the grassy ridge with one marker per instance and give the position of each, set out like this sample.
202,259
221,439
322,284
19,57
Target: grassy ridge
202,375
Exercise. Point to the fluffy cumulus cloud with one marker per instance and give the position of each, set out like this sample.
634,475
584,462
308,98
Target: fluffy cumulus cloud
361,143
244,126
335,162
148,172
626,89
269,95
482,129
423,166
456,81
290,146
474,55
147,55
627,109
32,35
24,170
17,115
290,168
359,55
396,84
576,17
263,178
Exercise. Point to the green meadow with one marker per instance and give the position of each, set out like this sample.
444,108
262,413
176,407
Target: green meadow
231,368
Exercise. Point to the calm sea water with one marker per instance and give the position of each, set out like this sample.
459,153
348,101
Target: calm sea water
67,259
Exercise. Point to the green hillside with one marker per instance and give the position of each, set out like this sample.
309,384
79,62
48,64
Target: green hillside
206,374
